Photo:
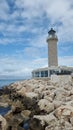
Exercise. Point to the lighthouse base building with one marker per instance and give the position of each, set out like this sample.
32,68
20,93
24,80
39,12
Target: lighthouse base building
53,68
48,71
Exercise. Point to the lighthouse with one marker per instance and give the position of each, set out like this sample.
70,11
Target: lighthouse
52,68
52,48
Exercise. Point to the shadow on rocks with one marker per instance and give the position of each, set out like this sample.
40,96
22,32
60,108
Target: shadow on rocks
34,124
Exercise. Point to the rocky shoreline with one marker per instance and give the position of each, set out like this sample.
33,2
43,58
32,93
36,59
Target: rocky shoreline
37,104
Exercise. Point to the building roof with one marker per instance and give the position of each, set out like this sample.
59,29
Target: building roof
54,68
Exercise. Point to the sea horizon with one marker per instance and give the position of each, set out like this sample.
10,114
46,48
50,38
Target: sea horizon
4,82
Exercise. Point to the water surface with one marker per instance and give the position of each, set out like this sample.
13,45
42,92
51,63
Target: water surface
4,82
4,110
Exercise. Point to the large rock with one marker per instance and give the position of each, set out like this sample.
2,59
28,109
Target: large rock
48,98
3,104
48,119
17,107
64,112
46,105
25,114
13,119
57,103
31,95
61,94
22,91
59,126
39,89
3,123
51,101
35,124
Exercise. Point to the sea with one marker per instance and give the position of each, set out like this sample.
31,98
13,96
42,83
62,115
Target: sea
4,82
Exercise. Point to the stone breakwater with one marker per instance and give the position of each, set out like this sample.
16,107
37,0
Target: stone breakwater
39,104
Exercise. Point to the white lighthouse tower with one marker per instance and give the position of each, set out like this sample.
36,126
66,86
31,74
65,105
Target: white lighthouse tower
52,48
52,67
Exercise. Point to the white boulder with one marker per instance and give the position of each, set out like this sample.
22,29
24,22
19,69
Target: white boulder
45,105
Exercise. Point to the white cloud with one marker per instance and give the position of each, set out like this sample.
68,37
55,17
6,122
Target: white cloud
66,60
30,14
13,67
4,10
18,67
57,12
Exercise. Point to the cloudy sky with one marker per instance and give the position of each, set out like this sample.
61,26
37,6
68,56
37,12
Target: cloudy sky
23,31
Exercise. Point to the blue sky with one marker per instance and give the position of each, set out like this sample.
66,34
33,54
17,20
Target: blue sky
23,31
